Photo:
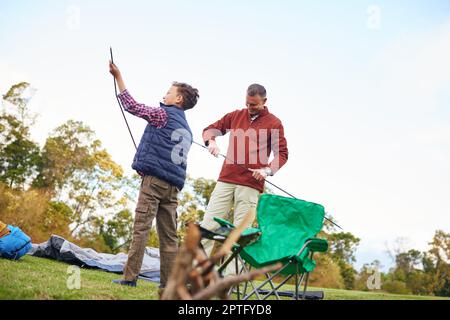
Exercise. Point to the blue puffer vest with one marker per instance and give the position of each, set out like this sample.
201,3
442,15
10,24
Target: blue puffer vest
163,152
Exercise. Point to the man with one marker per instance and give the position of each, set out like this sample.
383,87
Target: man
254,134
161,161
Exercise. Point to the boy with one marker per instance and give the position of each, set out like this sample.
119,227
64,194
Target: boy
161,161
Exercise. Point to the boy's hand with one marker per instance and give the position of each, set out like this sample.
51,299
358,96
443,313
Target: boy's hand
213,148
114,70
116,73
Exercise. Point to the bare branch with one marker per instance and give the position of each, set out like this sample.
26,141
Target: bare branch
226,283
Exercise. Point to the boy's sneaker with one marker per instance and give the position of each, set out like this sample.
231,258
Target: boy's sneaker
125,282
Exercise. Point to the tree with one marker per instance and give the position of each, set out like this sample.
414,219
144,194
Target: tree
116,232
423,272
76,170
395,286
408,261
56,219
342,250
193,201
19,155
409,270
19,96
440,247
327,274
437,261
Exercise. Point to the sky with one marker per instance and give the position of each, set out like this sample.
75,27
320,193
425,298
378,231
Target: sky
362,88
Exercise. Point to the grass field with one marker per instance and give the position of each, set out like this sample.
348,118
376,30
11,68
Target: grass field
37,278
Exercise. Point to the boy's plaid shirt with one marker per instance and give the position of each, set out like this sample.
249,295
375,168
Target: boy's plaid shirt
156,116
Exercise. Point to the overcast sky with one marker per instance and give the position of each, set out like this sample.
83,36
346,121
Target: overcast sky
362,88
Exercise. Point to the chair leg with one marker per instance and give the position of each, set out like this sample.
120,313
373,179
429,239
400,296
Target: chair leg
237,286
245,296
299,281
244,269
278,286
237,272
255,290
296,281
228,260
273,287
306,285
307,278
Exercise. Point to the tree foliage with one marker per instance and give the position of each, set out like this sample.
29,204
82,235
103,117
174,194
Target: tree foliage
19,155
72,186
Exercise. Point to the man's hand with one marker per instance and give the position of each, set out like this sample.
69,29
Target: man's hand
259,174
213,148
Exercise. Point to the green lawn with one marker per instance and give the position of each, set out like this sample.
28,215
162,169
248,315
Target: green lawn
37,278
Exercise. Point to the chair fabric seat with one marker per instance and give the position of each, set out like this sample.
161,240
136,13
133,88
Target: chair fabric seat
286,225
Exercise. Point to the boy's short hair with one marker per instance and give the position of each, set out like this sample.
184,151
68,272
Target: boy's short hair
256,89
190,94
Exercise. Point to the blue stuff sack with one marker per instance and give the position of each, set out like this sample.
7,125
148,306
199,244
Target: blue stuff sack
14,245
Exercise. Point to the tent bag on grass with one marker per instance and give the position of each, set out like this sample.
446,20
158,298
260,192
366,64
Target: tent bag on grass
15,244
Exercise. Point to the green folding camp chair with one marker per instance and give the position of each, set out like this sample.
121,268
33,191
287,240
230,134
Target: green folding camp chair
288,235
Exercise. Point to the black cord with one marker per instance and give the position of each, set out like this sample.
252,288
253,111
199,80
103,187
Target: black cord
272,184
120,105
201,145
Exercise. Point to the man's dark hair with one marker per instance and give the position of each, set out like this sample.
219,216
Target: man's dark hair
256,89
190,95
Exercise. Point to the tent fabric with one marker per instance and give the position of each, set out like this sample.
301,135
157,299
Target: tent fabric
15,244
286,224
58,248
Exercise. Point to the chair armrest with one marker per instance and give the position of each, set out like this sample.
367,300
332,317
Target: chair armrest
250,232
317,245
224,223
247,232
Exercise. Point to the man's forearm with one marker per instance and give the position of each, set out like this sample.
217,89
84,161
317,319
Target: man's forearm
218,128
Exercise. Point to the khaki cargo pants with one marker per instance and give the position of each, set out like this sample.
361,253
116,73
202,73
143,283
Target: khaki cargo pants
157,198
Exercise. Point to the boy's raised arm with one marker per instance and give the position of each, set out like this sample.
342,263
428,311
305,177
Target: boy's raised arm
156,116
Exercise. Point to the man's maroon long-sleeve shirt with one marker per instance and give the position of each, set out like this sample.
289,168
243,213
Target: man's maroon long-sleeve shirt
250,145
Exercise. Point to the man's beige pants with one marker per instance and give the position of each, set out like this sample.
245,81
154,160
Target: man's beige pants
224,197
